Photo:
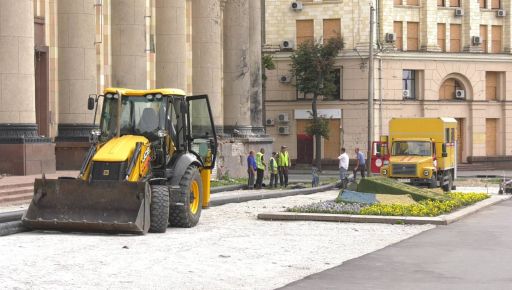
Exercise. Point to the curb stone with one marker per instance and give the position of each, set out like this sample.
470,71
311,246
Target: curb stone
10,222
439,220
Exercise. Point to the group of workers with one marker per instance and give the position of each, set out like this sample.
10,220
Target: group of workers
278,166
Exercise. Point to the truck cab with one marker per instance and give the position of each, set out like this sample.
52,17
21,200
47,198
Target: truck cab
422,151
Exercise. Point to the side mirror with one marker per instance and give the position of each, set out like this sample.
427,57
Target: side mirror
91,102
444,153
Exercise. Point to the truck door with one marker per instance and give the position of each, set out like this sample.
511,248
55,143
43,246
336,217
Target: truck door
203,138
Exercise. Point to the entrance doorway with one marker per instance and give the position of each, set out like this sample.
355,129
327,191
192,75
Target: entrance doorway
304,143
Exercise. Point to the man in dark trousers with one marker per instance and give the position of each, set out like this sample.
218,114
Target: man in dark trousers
251,169
272,168
360,164
260,168
283,163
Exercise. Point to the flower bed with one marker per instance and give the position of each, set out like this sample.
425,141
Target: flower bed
424,208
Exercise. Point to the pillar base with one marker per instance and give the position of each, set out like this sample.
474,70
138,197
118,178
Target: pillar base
24,152
473,49
72,144
432,48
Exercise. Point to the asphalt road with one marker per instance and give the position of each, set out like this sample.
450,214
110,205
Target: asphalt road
475,253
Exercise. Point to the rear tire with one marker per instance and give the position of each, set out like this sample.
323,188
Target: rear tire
188,214
447,187
159,209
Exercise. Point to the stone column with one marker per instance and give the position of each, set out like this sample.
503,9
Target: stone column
171,33
256,82
207,54
507,33
470,25
77,68
385,17
428,26
237,71
129,60
22,151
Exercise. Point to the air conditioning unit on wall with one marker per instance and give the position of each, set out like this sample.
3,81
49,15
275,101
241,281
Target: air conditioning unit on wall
390,37
406,94
476,40
270,122
460,94
297,6
283,130
283,117
287,45
285,79
501,13
459,12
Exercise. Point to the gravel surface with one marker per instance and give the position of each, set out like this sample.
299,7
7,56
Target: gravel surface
229,249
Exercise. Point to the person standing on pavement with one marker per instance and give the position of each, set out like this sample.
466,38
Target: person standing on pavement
343,166
272,167
283,164
251,169
360,163
260,168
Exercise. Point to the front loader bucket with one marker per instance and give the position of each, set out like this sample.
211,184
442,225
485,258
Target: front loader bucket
100,206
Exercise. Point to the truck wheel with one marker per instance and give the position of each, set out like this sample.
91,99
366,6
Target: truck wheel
188,214
159,209
433,181
447,187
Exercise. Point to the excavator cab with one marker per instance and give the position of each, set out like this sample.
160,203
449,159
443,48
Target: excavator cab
148,167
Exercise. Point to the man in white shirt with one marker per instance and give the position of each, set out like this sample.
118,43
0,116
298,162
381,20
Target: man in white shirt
343,166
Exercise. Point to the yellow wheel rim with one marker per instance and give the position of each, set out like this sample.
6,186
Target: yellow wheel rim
194,197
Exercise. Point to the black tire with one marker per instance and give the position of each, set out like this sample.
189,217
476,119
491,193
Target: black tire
433,181
447,187
183,216
159,209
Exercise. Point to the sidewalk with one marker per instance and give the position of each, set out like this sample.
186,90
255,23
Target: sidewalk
16,179
474,253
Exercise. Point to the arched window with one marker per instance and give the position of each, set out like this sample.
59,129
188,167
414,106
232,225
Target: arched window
452,89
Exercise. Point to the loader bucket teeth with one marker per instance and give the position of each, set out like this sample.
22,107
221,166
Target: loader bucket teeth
101,206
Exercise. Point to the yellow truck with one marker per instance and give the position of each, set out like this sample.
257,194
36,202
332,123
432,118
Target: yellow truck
421,151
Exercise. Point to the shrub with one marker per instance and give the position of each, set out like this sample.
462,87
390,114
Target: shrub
425,207
390,186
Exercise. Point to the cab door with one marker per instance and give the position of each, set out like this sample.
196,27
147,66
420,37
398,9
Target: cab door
202,135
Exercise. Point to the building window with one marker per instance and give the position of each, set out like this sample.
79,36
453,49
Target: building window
412,36
409,84
496,39
482,4
413,2
398,30
440,3
332,29
454,3
336,82
495,4
397,2
305,31
483,38
452,89
455,33
441,36
493,85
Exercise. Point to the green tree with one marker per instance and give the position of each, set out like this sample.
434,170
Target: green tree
312,68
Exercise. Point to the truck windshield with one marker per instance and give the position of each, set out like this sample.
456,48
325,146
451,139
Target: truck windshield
411,148
139,116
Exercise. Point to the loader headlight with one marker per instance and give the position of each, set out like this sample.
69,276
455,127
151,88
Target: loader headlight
426,172
116,96
109,96
149,97
161,133
158,96
96,132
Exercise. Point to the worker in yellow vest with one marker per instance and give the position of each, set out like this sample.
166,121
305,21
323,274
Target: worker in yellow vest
260,164
283,164
272,167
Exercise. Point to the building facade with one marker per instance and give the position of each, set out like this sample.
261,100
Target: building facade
54,53
433,58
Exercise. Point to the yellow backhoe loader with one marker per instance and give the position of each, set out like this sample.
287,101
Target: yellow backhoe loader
148,167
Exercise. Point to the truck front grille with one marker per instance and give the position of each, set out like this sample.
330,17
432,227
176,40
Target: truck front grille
404,169
108,170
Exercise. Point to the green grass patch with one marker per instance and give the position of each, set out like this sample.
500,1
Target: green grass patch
228,181
390,186
425,208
